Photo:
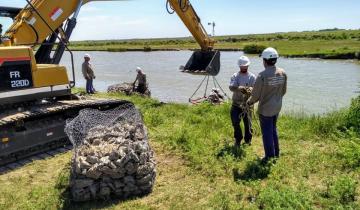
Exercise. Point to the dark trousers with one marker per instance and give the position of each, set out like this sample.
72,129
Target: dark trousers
236,115
89,86
270,136
141,88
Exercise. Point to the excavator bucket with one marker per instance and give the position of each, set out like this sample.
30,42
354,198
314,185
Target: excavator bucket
204,62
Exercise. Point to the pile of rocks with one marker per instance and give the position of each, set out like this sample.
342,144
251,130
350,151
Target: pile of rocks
113,161
126,88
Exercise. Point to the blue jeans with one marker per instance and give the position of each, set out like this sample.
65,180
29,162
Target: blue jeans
89,86
236,115
270,136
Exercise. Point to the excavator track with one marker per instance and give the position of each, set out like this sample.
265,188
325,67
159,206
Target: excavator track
40,128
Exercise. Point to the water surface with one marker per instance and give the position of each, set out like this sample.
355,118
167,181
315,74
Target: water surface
314,86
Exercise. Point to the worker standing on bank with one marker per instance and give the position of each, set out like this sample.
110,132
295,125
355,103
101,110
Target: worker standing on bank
141,79
88,74
269,89
241,85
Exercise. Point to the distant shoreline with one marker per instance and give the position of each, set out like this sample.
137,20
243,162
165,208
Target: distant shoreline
336,44
340,56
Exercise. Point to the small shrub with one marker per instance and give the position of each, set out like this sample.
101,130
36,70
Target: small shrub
342,190
349,153
330,124
223,201
284,198
254,49
147,49
353,116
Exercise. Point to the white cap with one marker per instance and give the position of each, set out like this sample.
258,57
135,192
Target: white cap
86,56
269,53
138,69
244,61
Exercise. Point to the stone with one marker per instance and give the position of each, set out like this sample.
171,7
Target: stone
129,179
130,168
94,172
105,192
92,159
82,183
146,179
145,169
105,160
114,155
119,184
84,164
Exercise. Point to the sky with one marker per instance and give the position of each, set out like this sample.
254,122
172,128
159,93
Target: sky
149,18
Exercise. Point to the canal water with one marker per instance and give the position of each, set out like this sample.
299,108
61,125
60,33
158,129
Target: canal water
314,86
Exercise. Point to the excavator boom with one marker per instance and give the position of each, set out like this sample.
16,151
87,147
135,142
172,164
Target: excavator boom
192,21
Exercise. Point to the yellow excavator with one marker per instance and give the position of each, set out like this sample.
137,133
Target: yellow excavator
35,91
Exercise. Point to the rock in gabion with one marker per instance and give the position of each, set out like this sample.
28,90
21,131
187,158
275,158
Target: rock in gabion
113,158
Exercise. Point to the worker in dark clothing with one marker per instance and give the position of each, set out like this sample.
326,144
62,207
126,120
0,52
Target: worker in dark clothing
269,89
88,74
141,79
241,85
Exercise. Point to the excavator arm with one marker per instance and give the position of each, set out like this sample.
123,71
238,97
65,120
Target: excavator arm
41,23
188,15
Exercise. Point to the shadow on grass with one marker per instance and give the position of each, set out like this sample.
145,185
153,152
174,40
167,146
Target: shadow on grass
237,152
254,170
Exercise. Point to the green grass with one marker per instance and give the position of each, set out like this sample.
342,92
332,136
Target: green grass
199,169
323,44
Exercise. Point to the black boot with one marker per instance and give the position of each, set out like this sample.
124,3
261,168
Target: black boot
237,143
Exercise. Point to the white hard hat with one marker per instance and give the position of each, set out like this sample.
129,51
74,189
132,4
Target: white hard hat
269,53
138,69
86,56
244,61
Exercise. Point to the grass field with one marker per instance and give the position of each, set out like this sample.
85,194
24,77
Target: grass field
199,169
322,44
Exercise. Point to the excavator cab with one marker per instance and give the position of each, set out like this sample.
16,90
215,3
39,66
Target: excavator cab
204,63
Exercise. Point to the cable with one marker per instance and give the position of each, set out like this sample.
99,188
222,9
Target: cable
221,88
169,9
198,88
207,84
